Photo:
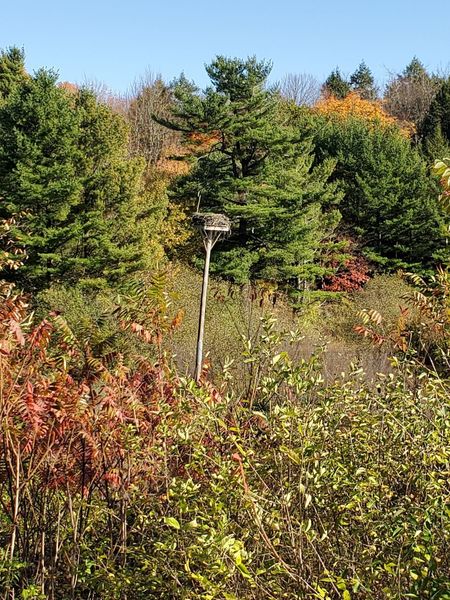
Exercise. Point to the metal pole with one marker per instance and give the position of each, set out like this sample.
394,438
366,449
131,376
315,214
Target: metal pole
201,321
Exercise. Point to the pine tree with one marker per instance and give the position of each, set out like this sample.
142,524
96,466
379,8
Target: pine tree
12,70
117,227
390,198
415,70
38,151
259,171
82,213
435,130
363,83
335,85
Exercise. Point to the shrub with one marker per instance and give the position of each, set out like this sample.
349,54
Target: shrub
135,483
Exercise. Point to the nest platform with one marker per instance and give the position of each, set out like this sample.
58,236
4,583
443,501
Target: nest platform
211,222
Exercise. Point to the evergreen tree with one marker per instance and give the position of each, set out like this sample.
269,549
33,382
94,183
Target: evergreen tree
435,130
66,177
436,144
253,167
12,70
38,151
336,85
117,226
363,83
390,198
415,70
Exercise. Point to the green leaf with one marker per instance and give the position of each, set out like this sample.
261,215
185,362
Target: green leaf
243,569
277,357
172,522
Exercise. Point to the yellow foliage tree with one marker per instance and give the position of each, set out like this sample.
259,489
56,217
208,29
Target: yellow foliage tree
354,106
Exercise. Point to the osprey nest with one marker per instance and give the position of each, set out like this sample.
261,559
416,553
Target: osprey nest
211,222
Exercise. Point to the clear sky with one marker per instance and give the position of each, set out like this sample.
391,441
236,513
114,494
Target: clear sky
115,41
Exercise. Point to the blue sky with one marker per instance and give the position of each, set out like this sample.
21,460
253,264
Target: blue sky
116,41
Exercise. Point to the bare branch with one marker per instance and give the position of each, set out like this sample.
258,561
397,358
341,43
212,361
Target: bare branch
301,88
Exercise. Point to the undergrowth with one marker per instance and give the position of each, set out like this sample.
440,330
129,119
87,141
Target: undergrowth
122,480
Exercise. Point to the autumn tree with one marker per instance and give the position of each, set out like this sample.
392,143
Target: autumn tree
441,168
105,95
353,105
149,139
408,95
258,170
301,88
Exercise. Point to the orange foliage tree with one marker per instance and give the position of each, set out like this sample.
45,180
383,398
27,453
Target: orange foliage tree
355,106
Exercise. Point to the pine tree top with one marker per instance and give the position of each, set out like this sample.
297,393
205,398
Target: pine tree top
363,82
12,69
336,85
415,69
238,78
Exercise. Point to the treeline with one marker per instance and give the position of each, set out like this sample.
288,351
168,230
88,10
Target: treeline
303,183
321,188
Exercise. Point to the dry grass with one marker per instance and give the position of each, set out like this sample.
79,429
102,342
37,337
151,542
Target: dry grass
234,313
